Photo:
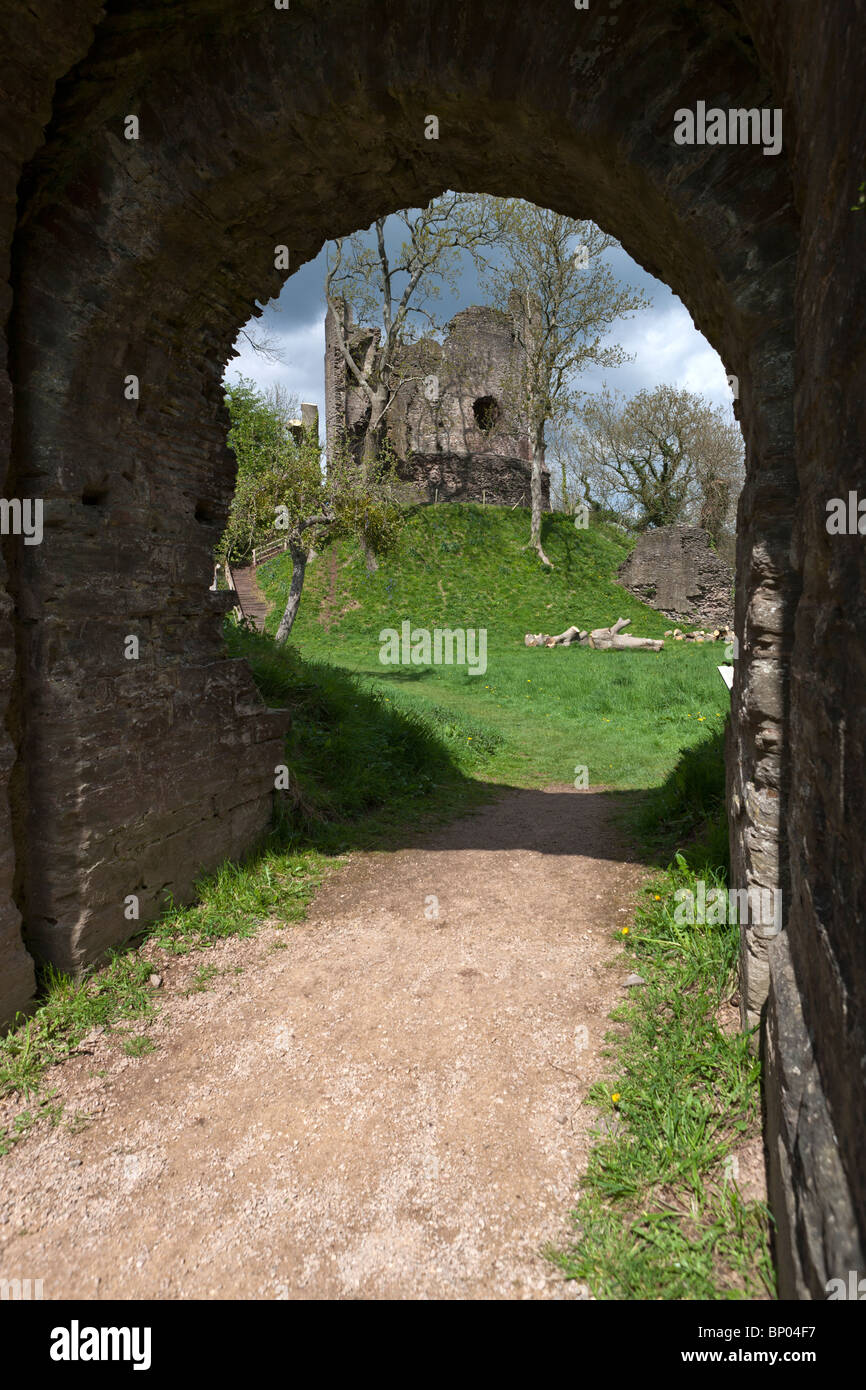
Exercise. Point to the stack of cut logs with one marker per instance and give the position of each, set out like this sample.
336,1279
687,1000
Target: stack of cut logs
602,638
718,634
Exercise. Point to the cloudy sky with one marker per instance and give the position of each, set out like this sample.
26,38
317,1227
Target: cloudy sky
665,344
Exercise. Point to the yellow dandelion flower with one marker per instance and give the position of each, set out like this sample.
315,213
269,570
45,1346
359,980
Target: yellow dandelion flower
615,1097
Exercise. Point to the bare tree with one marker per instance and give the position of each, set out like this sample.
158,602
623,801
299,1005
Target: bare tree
571,299
570,487
719,462
263,344
394,294
284,403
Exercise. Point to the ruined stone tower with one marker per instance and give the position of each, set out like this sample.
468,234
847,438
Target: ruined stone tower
454,425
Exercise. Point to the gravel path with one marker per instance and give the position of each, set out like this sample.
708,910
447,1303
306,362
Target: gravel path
389,1108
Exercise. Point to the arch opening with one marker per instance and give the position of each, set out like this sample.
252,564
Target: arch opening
215,225
209,230
148,257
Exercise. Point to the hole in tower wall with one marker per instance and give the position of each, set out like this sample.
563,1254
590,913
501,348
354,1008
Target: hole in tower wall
94,496
487,412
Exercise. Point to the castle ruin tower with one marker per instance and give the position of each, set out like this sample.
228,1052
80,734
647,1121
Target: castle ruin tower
456,424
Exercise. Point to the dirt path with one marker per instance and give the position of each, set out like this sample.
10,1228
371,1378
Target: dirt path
389,1108
329,602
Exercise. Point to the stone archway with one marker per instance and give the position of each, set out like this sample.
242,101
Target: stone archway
261,133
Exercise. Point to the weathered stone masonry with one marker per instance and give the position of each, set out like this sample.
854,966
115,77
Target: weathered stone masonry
676,570
262,128
456,426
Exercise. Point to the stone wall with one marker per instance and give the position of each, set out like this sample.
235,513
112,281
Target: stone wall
133,774
479,477
263,129
816,1026
40,44
676,570
454,425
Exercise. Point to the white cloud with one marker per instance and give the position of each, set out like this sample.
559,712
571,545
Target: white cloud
302,371
668,349
666,345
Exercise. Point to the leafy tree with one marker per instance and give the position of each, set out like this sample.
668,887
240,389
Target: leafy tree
571,299
664,456
283,492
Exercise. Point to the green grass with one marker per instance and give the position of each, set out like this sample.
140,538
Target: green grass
68,1011
360,758
624,716
374,749
659,1214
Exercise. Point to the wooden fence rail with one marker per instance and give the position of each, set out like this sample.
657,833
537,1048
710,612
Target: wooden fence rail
267,552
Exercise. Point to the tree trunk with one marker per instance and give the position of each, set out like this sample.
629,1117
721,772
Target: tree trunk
624,643
605,638
535,492
299,568
371,446
370,452
602,638
564,639
373,432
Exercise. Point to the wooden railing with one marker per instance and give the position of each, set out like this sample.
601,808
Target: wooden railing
262,553
230,580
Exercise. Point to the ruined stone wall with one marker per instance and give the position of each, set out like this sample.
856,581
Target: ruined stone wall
816,1018
676,570
454,425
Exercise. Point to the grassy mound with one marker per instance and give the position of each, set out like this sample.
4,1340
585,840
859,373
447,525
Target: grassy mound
625,716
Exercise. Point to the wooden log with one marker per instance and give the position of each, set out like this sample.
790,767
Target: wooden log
563,639
602,638
624,642
613,638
